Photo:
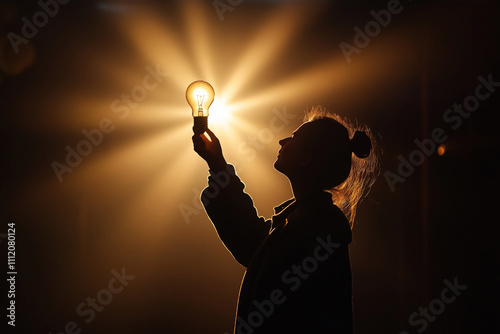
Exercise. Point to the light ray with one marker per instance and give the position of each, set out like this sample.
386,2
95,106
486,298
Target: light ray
267,43
200,40
158,43
334,77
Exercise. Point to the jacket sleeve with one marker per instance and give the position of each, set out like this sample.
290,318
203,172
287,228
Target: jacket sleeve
233,214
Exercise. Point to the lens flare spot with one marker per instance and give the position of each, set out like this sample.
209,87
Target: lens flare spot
441,150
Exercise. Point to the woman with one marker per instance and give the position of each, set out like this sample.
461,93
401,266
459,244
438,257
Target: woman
298,277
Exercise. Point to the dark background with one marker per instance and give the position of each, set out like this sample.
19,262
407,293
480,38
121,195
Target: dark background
439,224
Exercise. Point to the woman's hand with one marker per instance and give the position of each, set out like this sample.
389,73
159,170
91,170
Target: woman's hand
209,150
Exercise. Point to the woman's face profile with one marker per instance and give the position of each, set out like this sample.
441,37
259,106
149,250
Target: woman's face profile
294,152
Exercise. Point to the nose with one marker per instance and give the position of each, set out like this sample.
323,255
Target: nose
283,141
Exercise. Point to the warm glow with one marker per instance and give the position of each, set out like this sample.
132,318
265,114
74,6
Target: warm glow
441,149
220,113
148,164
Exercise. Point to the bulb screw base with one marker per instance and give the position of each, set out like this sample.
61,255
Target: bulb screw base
200,124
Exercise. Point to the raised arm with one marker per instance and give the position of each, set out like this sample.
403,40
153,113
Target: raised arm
230,209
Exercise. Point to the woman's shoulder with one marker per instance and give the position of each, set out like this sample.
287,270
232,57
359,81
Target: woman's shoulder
321,219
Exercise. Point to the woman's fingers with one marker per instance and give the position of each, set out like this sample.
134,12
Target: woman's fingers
199,143
212,135
209,150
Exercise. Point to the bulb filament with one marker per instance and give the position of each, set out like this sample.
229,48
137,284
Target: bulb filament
201,98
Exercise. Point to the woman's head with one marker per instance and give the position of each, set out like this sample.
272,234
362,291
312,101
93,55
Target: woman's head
332,154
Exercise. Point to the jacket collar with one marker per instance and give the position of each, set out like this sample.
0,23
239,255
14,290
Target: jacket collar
283,210
282,206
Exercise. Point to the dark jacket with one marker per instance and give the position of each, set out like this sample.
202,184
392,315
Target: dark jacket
298,277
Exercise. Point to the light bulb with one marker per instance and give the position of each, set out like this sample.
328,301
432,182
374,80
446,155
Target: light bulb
200,95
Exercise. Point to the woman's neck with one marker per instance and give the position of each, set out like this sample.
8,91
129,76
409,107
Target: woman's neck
304,188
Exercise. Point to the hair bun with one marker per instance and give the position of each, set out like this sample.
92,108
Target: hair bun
361,144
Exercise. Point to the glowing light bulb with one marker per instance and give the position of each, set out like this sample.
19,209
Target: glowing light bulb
200,95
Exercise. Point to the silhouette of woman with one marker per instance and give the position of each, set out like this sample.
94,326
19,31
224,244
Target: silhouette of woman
298,274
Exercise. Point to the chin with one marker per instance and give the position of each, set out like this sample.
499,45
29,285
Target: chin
276,164
278,167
